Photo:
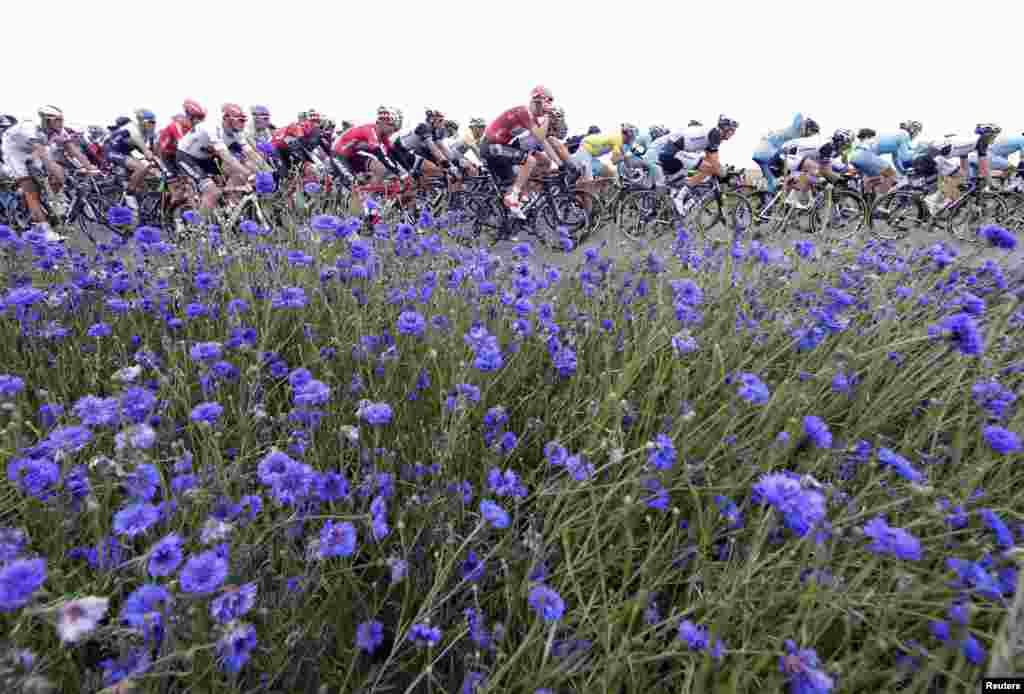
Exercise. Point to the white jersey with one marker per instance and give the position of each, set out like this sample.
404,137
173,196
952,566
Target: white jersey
693,139
962,144
23,137
803,147
201,140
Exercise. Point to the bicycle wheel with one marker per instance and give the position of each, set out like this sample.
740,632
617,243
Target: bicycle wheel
841,218
974,213
722,218
896,214
645,214
483,219
565,215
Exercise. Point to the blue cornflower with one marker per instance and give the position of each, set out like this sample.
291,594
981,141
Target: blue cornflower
337,540
752,389
143,609
265,183
206,351
208,412
376,414
803,672
817,431
998,237
662,453
547,603
290,297
1002,441
19,579
135,519
411,323
10,386
233,603
119,216
369,636
494,514
802,509
1004,537
962,331
424,635
203,573
236,645
900,464
165,556
890,540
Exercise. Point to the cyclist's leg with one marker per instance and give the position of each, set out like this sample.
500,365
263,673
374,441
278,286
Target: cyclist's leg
764,156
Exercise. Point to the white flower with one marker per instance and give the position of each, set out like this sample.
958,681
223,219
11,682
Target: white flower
76,618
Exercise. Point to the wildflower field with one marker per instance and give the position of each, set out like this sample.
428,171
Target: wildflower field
308,460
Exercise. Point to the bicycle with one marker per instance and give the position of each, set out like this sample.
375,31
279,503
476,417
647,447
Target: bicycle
907,207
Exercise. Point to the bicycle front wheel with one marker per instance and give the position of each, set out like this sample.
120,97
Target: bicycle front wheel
842,217
645,214
724,217
974,213
896,214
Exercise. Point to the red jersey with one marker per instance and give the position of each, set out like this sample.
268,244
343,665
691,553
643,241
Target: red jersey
169,136
511,123
295,131
347,142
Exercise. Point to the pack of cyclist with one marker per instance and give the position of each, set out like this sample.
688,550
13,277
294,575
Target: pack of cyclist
523,139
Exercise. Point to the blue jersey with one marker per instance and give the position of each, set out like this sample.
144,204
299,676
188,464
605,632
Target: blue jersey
777,138
897,145
1005,145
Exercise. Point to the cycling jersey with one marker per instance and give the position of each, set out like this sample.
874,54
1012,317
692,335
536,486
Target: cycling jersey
1006,144
777,138
462,145
511,123
19,141
603,143
695,139
358,139
202,140
420,139
897,145
816,148
169,138
124,141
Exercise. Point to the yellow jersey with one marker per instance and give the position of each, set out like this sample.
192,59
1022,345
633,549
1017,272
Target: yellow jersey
601,144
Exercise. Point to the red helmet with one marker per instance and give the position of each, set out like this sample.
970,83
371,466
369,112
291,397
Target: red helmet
193,110
541,92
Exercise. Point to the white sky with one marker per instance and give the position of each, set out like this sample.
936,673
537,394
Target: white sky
863,63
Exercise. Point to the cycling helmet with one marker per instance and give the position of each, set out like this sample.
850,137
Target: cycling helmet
866,134
50,112
541,92
477,123
724,123
193,110
694,124
143,116
630,130
842,137
432,113
990,129
389,116
913,127
657,131
452,127
310,128
327,125
7,121
259,111
811,127
593,130
346,125
96,133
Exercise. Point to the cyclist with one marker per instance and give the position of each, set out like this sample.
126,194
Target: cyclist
422,151
502,157
139,136
879,174
206,148
677,154
467,143
27,154
367,149
297,143
595,146
167,145
260,129
807,157
767,157
950,157
1000,151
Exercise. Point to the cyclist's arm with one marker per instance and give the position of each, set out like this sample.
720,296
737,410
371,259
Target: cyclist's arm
225,155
